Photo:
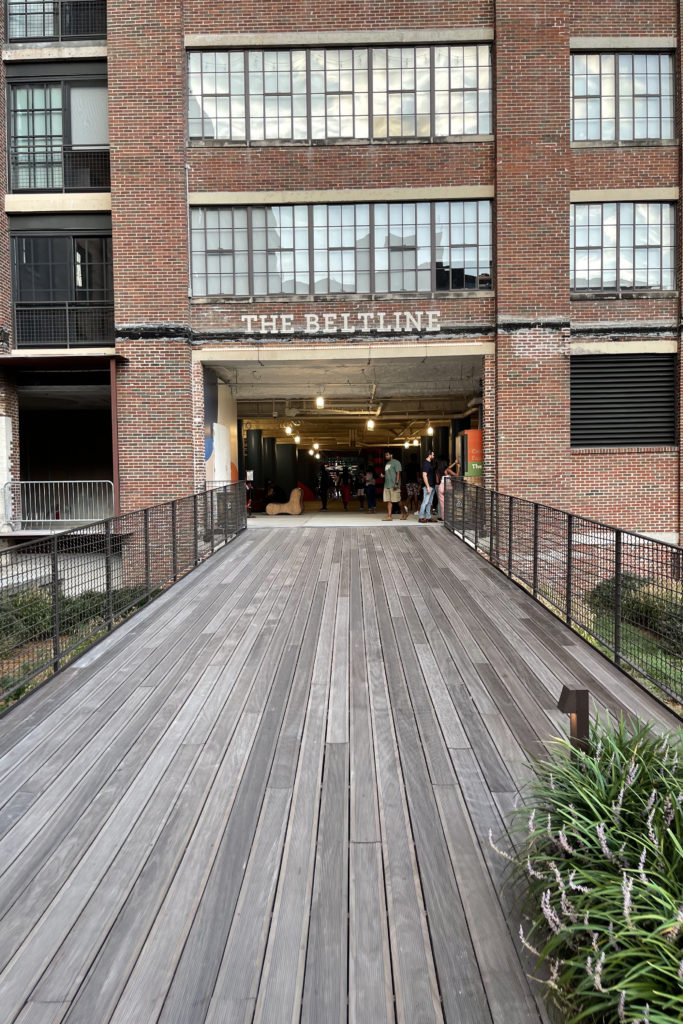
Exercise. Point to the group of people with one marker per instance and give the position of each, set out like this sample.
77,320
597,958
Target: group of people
408,491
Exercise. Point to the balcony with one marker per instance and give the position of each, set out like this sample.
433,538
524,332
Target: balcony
47,20
40,505
56,168
63,325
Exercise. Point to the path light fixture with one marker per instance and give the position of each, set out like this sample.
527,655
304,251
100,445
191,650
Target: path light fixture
575,703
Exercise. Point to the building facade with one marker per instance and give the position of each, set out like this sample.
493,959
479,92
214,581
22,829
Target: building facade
469,215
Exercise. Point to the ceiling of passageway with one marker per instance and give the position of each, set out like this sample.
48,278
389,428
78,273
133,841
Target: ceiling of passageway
402,395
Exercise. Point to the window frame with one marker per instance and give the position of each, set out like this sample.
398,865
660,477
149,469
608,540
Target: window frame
617,139
196,121
198,229
618,288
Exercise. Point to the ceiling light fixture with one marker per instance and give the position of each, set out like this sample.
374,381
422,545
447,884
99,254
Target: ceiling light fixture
415,443
288,430
297,439
407,444
430,430
311,452
370,424
320,402
316,446
317,455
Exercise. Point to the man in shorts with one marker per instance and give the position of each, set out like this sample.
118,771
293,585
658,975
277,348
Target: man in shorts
392,487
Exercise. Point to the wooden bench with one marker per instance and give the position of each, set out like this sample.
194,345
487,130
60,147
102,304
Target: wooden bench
294,507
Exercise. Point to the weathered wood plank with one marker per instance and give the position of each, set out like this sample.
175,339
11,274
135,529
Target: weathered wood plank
370,988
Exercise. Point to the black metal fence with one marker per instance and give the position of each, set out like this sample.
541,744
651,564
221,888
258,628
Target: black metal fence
621,590
61,593
63,325
46,165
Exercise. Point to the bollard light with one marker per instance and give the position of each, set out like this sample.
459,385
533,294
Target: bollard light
575,703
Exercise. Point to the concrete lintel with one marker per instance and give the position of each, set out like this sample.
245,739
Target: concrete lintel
50,51
622,195
58,202
398,36
622,43
275,353
606,346
342,195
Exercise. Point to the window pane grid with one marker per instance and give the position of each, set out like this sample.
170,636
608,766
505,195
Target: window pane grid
333,249
625,96
361,93
37,139
622,245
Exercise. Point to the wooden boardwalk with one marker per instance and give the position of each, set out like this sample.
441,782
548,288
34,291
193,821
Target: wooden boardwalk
267,797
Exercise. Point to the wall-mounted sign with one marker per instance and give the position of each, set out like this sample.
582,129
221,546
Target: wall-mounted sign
344,323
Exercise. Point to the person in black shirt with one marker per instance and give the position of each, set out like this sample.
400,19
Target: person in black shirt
429,488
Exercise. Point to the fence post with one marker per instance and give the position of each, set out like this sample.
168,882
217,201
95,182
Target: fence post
195,517
535,556
55,605
225,515
570,545
211,520
148,560
617,597
491,530
464,493
510,501
174,540
476,517
108,573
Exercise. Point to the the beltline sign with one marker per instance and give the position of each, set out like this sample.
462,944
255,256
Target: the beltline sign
344,323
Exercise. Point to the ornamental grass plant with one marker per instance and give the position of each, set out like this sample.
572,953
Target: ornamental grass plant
600,847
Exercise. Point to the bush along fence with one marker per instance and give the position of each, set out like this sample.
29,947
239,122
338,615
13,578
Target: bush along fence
61,593
621,591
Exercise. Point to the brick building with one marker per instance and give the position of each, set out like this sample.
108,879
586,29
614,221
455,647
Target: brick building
459,216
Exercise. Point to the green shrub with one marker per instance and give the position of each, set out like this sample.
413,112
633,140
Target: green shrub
644,606
601,855
25,617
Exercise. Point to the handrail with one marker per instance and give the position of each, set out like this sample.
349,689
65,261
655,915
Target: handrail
56,504
62,593
621,590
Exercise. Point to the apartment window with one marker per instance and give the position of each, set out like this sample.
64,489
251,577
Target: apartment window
361,93
616,246
29,20
622,96
59,136
63,289
341,248
623,400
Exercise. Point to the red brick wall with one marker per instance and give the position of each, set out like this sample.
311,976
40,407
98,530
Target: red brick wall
9,406
156,435
625,18
5,290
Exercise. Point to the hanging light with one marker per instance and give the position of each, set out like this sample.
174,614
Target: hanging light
288,430
317,455
320,402
316,446
370,424
415,443
311,452
430,430
297,439
407,444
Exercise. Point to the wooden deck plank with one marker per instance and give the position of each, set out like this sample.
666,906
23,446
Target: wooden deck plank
183,842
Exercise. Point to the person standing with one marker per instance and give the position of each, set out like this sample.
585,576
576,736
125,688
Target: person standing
345,488
452,470
428,489
371,489
392,487
325,481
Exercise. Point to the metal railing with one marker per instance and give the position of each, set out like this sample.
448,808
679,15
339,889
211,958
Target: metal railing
63,325
48,166
61,594
56,504
37,20
622,591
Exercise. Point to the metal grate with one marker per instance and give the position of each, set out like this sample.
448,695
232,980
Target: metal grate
63,325
623,590
29,20
59,595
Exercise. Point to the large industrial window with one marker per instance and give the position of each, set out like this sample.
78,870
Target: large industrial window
353,248
622,96
623,400
360,93
59,136
615,246
63,290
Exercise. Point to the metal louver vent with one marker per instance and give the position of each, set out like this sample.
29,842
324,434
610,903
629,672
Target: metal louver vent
623,400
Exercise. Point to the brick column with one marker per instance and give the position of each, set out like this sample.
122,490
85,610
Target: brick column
146,60
532,223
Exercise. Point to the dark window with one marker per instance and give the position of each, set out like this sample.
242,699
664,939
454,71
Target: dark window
29,20
623,400
59,136
63,290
